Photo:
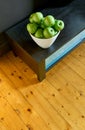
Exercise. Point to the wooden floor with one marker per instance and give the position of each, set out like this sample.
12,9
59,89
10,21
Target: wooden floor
56,103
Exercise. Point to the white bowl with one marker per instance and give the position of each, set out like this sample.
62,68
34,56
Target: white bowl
44,43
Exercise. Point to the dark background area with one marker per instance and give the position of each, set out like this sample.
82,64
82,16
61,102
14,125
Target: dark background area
51,3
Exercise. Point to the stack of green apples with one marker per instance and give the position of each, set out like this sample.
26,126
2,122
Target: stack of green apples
44,27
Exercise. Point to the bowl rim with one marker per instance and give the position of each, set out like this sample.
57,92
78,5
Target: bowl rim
45,38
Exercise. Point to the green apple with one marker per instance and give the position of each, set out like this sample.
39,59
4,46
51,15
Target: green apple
59,25
49,20
39,33
56,32
42,25
48,32
32,27
37,17
31,18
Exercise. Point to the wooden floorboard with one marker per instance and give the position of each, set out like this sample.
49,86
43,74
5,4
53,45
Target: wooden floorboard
56,103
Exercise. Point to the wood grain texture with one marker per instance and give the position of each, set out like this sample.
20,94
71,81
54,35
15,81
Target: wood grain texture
56,103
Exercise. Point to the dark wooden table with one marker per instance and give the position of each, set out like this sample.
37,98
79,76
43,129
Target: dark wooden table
41,60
